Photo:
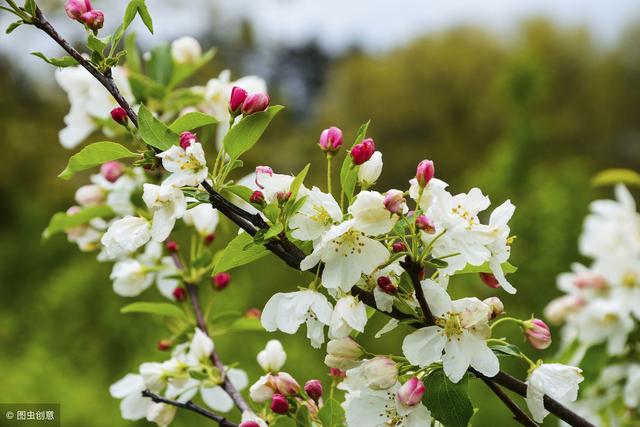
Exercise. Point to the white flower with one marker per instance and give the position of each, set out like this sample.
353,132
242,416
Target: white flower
89,195
555,380
188,167
87,236
287,311
347,254
379,373
603,320
318,213
119,192
460,330
203,217
349,314
500,248
270,184
263,389
133,406
370,171
212,395
632,387
161,413
167,204
250,416
200,348
272,357
125,236
185,50
381,408
130,278
429,193
370,215
89,101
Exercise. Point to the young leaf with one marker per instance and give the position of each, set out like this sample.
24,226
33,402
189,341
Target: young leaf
303,418
98,44
273,231
297,182
62,221
65,61
93,155
235,254
192,121
145,16
331,414
241,191
616,176
506,350
448,402
245,134
182,72
154,132
133,56
13,26
30,7
159,308
137,7
161,64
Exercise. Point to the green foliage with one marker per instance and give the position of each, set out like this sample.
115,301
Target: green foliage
303,418
94,155
240,251
331,414
181,72
65,61
158,308
154,132
349,172
448,402
191,121
62,221
507,268
245,134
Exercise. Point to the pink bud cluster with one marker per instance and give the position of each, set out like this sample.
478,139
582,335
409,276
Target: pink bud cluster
241,102
537,333
82,11
331,140
363,151
425,172
187,138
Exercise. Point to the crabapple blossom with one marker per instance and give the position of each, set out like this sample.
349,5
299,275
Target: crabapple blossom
537,333
203,217
348,314
370,170
89,195
185,50
167,204
318,213
75,8
187,166
125,236
238,95
362,151
395,202
331,140
555,380
411,392
314,389
379,373
161,413
287,311
133,406
255,103
279,404
93,19
460,331
425,172
343,353
272,358
370,214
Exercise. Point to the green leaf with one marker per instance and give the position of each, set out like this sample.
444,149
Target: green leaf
235,254
273,231
203,260
507,268
62,221
331,414
616,176
192,121
154,132
272,211
182,72
13,26
30,7
137,7
506,350
159,308
246,324
448,402
133,56
303,418
437,263
283,421
349,172
241,191
245,134
594,360
297,182
145,16
161,64
98,44
93,155
65,61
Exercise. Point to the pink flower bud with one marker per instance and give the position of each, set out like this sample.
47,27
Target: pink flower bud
111,171
209,239
337,373
283,196
589,280
411,392
164,345
187,138
425,224
313,389
387,285
496,306
255,103
399,247
249,424
537,333
93,19
380,373
89,195
285,384
221,280
180,294
489,280
425,171
257,198
75,8
238,96
119,115
253,313
171,246
331,139
395,202
363,151
279,404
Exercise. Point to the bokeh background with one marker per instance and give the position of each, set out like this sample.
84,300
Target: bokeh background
526,100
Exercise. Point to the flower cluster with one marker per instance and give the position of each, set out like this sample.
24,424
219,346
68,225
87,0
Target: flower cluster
600,308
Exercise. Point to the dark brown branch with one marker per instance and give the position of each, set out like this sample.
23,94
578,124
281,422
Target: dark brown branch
282,248
227,385
413,270
190,406
518,414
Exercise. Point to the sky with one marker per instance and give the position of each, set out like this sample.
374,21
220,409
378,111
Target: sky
374,25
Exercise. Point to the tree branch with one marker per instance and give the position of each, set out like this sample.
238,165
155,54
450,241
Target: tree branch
190,406
283,248
518,414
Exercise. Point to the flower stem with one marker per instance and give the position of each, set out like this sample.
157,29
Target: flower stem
329,157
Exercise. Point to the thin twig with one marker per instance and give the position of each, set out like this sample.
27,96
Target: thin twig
283,248
518,414
190,406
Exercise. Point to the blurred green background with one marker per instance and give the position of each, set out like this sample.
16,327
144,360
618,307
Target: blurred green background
530,119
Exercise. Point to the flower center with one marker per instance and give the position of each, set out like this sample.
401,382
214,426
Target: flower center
463,213
450,324
322,215
349,243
